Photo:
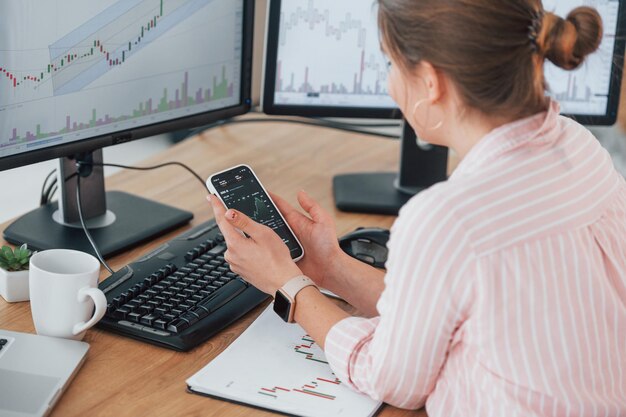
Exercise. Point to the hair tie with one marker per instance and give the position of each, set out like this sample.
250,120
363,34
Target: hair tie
534,29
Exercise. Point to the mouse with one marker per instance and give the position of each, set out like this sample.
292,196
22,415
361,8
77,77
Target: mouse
367,244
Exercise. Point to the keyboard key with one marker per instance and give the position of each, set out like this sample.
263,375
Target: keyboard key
177,326
161,310
169,317
218,250
149,319
120,313
184,306
191,317
176,311
146,309
130,307
136,302
160,324
134,317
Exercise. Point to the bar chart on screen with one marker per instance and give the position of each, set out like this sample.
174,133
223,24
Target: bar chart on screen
586,89
353,69
126,53
278,366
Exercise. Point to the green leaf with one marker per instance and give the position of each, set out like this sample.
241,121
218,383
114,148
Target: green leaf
24,247
7,252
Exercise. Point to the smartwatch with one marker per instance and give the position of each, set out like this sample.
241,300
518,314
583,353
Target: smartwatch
285,298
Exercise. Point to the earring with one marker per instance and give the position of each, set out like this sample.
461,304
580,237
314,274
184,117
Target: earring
423,125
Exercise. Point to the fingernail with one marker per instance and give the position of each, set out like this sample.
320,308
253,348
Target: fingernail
231,214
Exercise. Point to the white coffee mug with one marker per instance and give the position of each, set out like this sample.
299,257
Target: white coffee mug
63,292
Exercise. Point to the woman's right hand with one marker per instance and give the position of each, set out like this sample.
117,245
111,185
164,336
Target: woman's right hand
317,234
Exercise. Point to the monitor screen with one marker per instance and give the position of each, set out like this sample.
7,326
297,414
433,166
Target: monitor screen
346,75
74,70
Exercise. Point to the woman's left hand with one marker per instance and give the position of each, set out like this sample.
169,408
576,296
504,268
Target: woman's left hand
263,259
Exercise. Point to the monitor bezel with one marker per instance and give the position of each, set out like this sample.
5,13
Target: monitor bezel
187,122
268,104
270,107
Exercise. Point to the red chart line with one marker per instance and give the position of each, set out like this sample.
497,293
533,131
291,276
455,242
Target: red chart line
328,380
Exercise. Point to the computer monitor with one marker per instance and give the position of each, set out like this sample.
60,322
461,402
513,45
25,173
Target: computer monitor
76,76
323,59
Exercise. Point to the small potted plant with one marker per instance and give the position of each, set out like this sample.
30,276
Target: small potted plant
14,273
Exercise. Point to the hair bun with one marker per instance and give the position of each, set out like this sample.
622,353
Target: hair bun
566,42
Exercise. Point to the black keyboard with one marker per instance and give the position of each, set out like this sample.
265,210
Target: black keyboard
180,294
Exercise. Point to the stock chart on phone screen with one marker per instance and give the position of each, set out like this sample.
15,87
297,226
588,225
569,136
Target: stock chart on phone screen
329,55
71,69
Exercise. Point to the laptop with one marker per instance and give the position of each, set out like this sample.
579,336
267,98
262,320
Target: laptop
35,371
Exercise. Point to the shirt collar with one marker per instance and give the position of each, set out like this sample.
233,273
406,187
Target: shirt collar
508,137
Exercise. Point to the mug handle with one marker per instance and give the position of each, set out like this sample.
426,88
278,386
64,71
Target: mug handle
99,300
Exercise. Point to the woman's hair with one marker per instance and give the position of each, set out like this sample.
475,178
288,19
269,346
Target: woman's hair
493,50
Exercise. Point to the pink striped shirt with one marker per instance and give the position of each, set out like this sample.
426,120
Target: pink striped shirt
506,285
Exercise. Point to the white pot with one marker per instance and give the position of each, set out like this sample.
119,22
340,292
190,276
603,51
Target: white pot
14,285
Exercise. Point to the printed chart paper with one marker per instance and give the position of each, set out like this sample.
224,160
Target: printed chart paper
276,365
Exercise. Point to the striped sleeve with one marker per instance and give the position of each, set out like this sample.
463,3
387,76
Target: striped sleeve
397,356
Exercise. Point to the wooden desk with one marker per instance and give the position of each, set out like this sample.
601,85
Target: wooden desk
123,377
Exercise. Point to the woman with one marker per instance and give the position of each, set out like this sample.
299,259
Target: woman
505,290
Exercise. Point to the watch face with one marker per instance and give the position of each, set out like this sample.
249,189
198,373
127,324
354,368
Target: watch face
282,306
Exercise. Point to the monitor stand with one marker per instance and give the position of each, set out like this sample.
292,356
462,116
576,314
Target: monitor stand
386,192
116,220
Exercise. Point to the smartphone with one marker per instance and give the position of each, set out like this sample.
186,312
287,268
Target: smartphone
239,188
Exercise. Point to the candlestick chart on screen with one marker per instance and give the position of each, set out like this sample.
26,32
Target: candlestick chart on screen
88,68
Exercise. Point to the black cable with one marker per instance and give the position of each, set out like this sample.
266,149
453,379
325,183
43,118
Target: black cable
42,201
180,164
314,122
82,222
350,124
52,188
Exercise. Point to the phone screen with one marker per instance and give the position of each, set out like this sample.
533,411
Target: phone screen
240,190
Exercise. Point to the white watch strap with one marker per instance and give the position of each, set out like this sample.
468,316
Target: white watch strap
294,285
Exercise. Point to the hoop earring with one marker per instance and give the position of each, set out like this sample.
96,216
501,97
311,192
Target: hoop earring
423,125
